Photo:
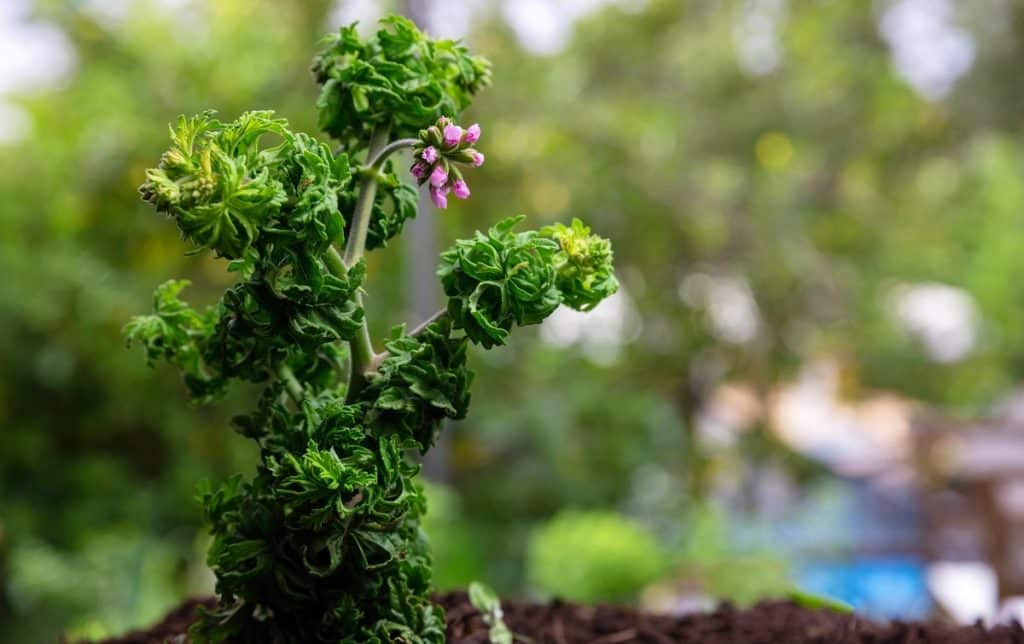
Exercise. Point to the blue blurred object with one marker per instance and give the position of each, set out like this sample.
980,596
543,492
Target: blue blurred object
877,588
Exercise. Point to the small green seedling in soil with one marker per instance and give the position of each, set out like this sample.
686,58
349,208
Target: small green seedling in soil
486,601
323,543
818,602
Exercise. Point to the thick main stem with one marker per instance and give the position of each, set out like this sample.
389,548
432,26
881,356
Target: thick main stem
361,347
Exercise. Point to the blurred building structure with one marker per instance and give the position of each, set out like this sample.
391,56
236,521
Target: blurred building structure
918,513
972,475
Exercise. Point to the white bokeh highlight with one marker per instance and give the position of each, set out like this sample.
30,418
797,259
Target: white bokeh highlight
544,27
756,36
942,317
34,56
728,302
929,49
600,333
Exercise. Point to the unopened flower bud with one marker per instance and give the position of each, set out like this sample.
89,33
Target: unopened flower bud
452,135
461,189
429,154
472,133
174,158
433,136
478,159
439,197
439,176
419,170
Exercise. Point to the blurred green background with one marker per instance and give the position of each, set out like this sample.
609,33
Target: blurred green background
797,191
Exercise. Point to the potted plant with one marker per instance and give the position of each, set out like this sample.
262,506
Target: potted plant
323,543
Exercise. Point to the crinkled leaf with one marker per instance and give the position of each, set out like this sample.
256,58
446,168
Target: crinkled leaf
498,280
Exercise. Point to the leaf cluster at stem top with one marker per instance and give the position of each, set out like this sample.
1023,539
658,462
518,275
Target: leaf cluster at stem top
399,79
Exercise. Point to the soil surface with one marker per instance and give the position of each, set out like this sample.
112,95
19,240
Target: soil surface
565,623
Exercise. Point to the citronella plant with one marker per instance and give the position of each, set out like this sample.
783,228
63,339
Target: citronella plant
323,544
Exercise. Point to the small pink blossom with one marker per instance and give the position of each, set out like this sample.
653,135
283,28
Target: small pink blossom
439,197
473,133
429,154
418,170
452,134
478,159
438,177
461,189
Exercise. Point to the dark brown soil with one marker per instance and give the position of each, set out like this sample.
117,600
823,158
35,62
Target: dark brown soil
564,623
171,630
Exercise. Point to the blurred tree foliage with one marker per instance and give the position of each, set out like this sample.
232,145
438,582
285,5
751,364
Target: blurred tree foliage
595,556
811,189
100,455
762,218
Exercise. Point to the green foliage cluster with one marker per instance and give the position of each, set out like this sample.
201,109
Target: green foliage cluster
601,555
397,79
594,556
504,278
324,543
583,267
274,212
222,187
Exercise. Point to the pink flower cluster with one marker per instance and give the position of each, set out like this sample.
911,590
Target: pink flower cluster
441,147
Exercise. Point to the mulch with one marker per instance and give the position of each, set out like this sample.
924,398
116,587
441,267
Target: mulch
557,622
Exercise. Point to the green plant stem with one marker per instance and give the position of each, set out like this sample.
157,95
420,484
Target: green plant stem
364,202
291,383
361,357
361,352
425,323
378,160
